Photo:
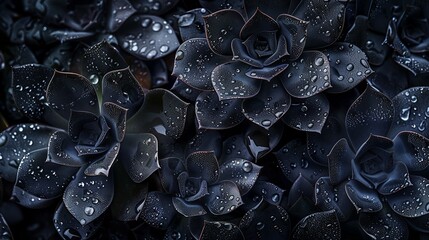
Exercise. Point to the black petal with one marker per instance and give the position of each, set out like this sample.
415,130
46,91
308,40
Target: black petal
371,113
129,196
384,224
230,81
326,21
205,140
257,23
307,76
270,222
103,165
213,113
320,225
116,116
191,24
364,199
29,85
414,63
330,197
295,32
69,91
4,228
185,91
139,155
411,111
339,159
61,150
412,201
158,210
120,87
118,12
294,160
139,30
349,66
242,172
301,189
220,230
40,178
188,209
308,114
194,63
268,191
224,197
69,228
235,147
87,197
17,141
221,28
159,7
203,165
260,141
162,112
170,170
412,149
272,8
268,106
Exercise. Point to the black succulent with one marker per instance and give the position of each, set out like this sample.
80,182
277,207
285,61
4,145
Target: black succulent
254,60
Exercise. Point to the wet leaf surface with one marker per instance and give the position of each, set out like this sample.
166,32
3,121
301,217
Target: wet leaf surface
328,226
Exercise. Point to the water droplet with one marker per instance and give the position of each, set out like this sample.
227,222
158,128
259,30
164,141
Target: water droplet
275,198
319,61
350,67
156,27
340,78
151,54
146,22
163,48
413,99
176,235
89,211
2,140
186,19
313,78
266,123
405,113
82,222
364,63
260,226
179,55
422,126
247,167
304,108
94,79
310,125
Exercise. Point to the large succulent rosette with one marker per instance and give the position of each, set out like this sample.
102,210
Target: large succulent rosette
266,59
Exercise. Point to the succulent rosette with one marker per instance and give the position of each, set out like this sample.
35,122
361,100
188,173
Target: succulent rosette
265,59
375,165
96,121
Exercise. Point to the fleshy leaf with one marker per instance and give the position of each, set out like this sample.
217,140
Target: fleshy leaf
268,106
87,197
162,112
61,150
230,81
307,76
171,168
412,149
29,85
213,113
205,141
364,199
116,116
40,178
194,63
220,230
159,7
224,197
266,73
235,147
260,141
412,201
320,225
319,144
139,155
191,24
221,28
204,165
69,91
272,8
329,197
188,209
398,179
242,172
349,66
301,189
268,191
339,159
16,142
326,21
139,30
158,210
384,224
129,196
371,113
411,111
185,91
257,23
69,228
4,228
308,114
103,165
120,87
118,12
415,64
295,32
294,160
269,222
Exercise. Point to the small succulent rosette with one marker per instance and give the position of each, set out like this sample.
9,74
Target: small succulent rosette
98,146
265,61
374,156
